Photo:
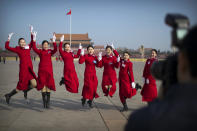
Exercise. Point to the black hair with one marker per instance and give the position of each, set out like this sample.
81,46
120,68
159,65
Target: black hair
44,42
65,44
154,50
108,46
189,46
20,40
90,46
126,52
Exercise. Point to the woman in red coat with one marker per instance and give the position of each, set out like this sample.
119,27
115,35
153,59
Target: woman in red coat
90,79
45,72
27,77
126,80
70,78
149,90
109,74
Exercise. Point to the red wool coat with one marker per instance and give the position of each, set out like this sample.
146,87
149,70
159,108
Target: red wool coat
70,75
109,73
149,91
90,78
26,72
125,79
45,71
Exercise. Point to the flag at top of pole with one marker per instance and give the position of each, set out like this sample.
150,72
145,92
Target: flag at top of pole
69,12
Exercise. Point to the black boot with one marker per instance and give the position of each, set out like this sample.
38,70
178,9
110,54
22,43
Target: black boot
62,81
44,99
83,101
9,95
25,91
90,103
138,86
48,100
125,107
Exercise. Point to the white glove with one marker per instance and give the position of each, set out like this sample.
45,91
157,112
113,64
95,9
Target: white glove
133,85
10,36
62,38
34,35
80,47
147,81
31,28
82,51
118,59
54,38
100,56
143,80
112,45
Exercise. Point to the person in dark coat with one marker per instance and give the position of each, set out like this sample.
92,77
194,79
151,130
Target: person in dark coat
178,108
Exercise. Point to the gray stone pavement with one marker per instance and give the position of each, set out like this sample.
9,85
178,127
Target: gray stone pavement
66,112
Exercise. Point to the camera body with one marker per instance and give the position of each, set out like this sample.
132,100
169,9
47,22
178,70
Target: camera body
166,70
180,25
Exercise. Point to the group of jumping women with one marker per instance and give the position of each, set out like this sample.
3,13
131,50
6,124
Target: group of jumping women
111,60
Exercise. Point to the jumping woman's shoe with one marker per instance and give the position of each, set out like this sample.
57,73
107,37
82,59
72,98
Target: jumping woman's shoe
83,101
125,107
9,95
90,103
62,81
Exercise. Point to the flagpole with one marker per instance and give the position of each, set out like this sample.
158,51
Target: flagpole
70,30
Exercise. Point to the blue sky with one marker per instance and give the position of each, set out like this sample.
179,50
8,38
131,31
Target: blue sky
127,23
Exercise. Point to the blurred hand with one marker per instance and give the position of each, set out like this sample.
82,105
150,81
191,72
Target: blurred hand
31,28
10,36
100,56
147,81
118,59
133,85
80,47
62,38
112,45
34,35
54,37
82,52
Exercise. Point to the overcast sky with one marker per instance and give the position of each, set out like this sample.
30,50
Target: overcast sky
127,23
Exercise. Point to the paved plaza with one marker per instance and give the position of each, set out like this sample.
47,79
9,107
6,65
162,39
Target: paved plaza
66,112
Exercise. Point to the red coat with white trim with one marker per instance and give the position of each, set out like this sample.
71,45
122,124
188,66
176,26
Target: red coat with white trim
90,78
125,79
26,72
70,75
109,73
149,90
45,71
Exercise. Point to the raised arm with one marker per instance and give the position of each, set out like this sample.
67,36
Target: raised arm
60,48
31,42
116,53
54,48
114,50
100,60
34,43
8,42
82,57
116,61
97,61
78,52
54,45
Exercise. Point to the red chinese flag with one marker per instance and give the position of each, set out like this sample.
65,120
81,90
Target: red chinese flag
69,13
